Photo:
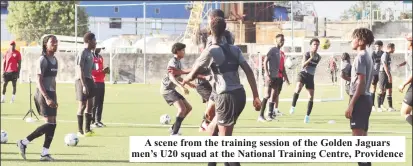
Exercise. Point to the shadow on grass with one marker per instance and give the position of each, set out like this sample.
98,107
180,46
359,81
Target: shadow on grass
57,154
86,146
69,161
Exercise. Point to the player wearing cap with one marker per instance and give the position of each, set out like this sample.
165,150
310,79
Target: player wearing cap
11,69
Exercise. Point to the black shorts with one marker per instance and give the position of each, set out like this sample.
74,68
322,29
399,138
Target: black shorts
384,81
361,113
229,106
90,86
279,82
172,97
375,79
10,76
273,82
204,89
41,105
408,97
306,79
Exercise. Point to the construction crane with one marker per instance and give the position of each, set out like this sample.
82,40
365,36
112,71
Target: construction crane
194,21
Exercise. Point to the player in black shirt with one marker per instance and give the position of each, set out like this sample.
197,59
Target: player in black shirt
376,56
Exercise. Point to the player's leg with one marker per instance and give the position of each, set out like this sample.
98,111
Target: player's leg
359,121
267,95
407,104
205,90
6,79
48,128
14,84
274,94
381,91
81,98
229,108
309,105
301,80
180,116
373,90
208,115
277,100
100,104
389,90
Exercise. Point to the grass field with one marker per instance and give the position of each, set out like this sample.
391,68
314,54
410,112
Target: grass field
134,110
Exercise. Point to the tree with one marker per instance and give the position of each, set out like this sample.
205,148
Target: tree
357,9
30,20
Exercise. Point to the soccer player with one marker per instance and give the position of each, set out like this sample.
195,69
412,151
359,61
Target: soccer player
359,108
346,70
271,68
169,93
45,98
332,67
203,74
224,60
306,77
385,79
376,56
282,75
98,74
407,104
84,85
11,68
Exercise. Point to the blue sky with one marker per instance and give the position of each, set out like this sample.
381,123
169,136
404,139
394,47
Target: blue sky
333,9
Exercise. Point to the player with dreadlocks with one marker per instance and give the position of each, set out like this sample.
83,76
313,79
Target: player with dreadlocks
204,80
360,106
45,98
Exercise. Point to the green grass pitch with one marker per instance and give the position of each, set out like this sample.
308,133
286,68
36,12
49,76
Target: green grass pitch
129,107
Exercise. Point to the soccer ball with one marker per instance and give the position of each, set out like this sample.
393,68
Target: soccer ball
325,43
71,139
4,137
290,63
165,119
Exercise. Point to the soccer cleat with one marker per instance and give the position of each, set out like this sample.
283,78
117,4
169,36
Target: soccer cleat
379,110
80,134
101,124
46,157
2,100
292,110
373,109
172,130
307,119
22,148
90,133
391,110
176,134
97,125
261,119
271,115
279,113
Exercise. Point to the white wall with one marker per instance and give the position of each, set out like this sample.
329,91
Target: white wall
100,26
5,34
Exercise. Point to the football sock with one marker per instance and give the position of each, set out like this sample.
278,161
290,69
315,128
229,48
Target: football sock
38,132
88,121
309,107
379,100
263,104
271,106
409,119
80,122
177,125
49,135
295,98
383,96
234,164
390,101
45,151
226,164
372,97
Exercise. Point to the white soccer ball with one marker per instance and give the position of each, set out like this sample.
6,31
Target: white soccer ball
290,63
71,139
4,137
165,119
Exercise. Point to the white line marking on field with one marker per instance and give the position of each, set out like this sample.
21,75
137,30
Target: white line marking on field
245,127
